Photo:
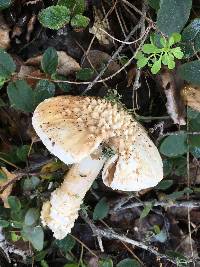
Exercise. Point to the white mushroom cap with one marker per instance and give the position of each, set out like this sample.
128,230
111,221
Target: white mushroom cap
72,127
143,169
56,123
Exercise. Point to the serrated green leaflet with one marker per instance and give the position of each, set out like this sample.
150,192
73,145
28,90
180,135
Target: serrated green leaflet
79,21
75,6
54,17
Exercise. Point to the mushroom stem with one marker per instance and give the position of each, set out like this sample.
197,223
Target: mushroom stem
60,213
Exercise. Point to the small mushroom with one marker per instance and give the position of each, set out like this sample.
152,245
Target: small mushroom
75,128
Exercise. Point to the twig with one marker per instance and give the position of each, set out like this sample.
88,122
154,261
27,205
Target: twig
112,58
137,84
23,172
110,234
188,195
166,204
79,241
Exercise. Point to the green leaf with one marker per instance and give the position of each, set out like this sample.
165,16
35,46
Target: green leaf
31,216
163,41
194,140
161,237
150,49
40,255
4,223
191,31
171,41
154,4
14,203
16,224
171,62
156,66
164,184
193,114
75,6
54,17
44,89
84,74
178,194
15,237
35,235
128,263
31,183
177,37
174,145
2,103
79,21
7,65
190,72
49,61
167,167
21,95
177,52
165,59
173,15
5,4
101,209
17,216
195,152
142,62
22,152
44,263
106,263
147,208
66,244
3,176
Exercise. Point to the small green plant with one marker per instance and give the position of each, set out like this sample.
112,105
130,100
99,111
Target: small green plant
65,12
154,55
113,96
22,222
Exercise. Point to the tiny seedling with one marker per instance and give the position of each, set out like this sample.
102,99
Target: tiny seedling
154,55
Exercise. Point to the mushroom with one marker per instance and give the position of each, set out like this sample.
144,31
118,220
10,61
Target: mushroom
75,128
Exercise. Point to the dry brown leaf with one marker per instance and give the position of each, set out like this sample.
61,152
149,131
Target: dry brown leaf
172,85
131,76
97,59
26,72
101,23
191,95
66,64
4,34
6,193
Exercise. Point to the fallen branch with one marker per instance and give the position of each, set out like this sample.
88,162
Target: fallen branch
178,204
110,234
